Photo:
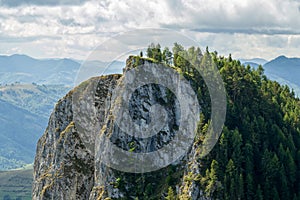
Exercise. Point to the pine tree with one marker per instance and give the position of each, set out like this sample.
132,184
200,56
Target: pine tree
167,56
171,195
214,185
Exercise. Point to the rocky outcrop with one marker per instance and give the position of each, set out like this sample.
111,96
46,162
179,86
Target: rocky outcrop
64,162
67,164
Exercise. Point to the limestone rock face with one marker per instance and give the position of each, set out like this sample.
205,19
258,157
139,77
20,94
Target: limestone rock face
67,164
64,162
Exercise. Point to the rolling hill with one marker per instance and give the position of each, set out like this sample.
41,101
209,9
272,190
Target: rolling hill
24,110
37,99
16,184
19,132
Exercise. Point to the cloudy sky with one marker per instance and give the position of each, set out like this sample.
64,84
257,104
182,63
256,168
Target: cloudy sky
73,28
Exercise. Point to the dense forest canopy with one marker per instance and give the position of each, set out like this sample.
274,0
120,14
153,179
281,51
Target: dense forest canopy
258,154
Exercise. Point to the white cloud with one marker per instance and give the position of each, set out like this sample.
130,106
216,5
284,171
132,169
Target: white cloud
72,29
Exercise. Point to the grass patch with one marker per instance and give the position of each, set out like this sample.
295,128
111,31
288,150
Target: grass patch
16,184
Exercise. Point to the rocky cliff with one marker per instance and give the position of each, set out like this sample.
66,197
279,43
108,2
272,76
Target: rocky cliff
64,166
67,164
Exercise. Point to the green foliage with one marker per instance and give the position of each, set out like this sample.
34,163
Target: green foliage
154,52
213,185
151,185
257,150
37,99
16,184
167,56
171,195
257,156
25,109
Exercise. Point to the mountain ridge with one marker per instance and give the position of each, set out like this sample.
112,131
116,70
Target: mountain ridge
18,142
259,61
23,114
283,69
25,69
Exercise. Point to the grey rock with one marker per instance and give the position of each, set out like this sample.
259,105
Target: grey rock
67,165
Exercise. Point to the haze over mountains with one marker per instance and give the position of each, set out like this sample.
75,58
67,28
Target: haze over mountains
24,112
19,131
25,69
254,61
281,69
285,71
29,89
25,106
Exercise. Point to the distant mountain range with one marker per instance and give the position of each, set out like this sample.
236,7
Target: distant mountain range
25,69
287,68
255,61
282,69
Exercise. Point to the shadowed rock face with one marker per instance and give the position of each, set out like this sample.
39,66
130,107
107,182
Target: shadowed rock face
65,164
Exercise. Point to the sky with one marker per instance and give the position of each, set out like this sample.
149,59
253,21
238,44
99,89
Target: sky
73,28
